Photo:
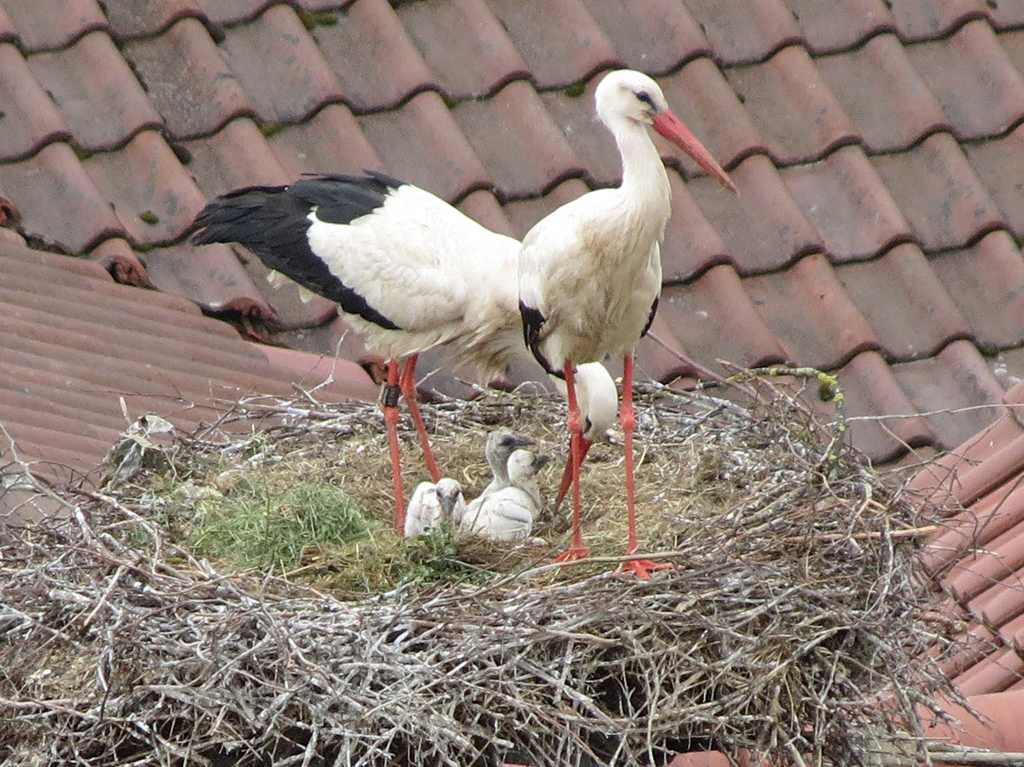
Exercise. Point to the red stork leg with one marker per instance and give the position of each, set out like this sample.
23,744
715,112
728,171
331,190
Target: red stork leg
640,567
576,548
389,404
407,381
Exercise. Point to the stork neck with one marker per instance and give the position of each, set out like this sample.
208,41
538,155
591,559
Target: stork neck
643,173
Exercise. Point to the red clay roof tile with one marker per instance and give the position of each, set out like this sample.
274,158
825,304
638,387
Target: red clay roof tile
329,142
194,100
8,33
1006,366
721,322
882,93
559,40
96,92
235,156
123,264
212,276
998,164
523,214
741,31
956,387
988,476
151,193
940,196
704,100
692,245
373,57
583,135
234,11
940,482
651,35
45,25
848,204
481,39
279,66
792,108
30,117
870,389
521,147
482,206
449,168
998,671
807,307
835,25
147,18
1005,14
659,354
980,91
999,603
58,201
763,228
986,281
934,18
984,568
907,306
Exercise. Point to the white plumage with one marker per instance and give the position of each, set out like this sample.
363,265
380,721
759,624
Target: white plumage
408,270
507,514
433,505
500,446
590,271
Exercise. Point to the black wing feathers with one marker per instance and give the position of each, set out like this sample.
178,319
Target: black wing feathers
651,316
272,222
533,321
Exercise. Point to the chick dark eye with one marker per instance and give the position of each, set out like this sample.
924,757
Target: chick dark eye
645,97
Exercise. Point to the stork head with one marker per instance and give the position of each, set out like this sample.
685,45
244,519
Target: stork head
500,445
523,465
628,94
626,97
449,496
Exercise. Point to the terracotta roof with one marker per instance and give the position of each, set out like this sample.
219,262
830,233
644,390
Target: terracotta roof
978,554
878,148
81,357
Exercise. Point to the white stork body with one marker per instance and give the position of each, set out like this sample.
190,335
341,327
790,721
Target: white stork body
590,272
408,270
507,514
433,505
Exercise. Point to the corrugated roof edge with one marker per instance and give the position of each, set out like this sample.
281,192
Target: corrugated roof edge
40,434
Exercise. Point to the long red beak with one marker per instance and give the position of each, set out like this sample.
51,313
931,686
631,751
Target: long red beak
567,474
672,128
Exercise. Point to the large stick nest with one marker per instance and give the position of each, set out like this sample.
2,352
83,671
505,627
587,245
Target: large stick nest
797,621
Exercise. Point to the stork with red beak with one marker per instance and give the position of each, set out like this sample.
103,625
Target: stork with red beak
590,271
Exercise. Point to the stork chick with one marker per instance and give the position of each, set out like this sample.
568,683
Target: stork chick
433,505
507,514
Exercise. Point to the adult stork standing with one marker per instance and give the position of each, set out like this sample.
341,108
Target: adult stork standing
408,271
590,271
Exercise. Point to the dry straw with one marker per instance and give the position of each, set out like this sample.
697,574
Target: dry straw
796,623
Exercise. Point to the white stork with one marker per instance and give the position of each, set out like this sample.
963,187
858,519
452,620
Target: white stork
507,514
590,271
408,271
434,504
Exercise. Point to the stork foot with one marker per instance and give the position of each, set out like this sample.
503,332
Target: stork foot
641,568
573,553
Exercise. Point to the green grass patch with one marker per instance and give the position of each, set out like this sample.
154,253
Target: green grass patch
253,527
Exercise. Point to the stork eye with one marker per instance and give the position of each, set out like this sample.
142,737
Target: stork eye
645,97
